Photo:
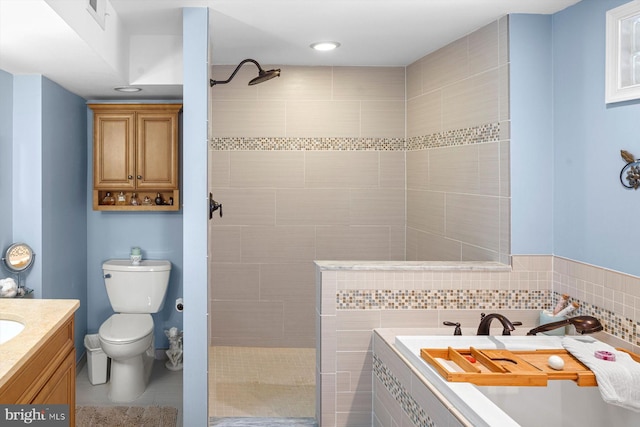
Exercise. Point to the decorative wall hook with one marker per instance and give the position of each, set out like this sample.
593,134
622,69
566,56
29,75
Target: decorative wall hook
632,170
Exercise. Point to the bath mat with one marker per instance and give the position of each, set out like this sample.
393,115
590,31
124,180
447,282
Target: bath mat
126,416
261,422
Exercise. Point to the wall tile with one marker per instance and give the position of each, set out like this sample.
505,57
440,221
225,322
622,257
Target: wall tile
228,243
369,83
472,219
356,242
234,281
414,79
278,244
471,102
323,118
313,207
246,206
418,169
219,169
392,169
454,169
484,48
308,83
248,118
288,282
341,169
375,207
424,114
229,319
381,119
271,169
445,66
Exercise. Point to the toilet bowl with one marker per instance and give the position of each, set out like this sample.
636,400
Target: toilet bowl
127,336
128,340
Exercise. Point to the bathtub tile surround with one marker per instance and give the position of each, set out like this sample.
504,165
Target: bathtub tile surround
354,298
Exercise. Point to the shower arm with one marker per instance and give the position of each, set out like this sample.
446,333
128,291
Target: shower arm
221,82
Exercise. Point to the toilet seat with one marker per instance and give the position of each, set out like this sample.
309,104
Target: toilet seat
124,328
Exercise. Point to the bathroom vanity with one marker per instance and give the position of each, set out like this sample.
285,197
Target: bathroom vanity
38,365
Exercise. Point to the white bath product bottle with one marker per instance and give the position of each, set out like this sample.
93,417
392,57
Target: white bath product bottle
562,303
568,309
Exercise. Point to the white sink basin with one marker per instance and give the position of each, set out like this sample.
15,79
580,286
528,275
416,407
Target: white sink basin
9,329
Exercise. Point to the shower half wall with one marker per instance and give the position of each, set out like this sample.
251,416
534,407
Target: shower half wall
312,166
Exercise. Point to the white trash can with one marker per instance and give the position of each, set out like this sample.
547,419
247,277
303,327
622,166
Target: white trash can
96,360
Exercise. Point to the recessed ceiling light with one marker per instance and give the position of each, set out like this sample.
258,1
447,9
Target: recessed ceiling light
127,89
324,46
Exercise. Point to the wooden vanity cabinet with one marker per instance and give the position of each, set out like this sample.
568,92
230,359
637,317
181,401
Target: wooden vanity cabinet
135,150
49,376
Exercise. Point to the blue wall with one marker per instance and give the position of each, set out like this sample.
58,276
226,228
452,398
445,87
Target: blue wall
531,148
47,148
594,215
6,160
195,24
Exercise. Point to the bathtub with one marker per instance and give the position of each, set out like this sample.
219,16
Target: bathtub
560,403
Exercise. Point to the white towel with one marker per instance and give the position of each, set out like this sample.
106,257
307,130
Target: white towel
618,381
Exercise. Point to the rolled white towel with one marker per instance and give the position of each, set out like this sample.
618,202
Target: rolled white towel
618,381
8,288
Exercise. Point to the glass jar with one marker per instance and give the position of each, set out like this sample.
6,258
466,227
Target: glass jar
108,199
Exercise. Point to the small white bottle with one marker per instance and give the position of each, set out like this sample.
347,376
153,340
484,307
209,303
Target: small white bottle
568,309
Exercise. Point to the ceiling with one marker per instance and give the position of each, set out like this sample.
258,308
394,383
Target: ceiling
141,41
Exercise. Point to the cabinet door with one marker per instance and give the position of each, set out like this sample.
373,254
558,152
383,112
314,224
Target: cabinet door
114,151
61,387
157,151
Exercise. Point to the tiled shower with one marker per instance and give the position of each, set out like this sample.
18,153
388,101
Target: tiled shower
338,163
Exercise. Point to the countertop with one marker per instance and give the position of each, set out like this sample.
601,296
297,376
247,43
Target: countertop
41,318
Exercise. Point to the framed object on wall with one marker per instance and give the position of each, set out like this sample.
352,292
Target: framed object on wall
623,53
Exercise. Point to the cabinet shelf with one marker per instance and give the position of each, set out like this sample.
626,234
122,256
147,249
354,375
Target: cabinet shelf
99,195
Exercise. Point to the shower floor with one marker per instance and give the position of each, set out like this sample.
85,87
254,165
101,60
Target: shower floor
261,382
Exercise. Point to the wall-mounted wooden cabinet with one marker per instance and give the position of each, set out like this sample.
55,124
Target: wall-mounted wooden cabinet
135,152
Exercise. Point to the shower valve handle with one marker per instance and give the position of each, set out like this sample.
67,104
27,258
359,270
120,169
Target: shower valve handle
214,206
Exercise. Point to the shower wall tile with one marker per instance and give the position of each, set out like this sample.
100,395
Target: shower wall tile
270,169
299,83
505,169
454,169
287,282
488,181
352,242
248,118
246,206
369,83
414,80
471,102
341,169
247,319
418,170
426,211
484,48
504,95
382,119
219,168
238,88
392,169
312,207
233,281
472,219
323,118
278,244
375,207
228,244
424,114
296,322
445,66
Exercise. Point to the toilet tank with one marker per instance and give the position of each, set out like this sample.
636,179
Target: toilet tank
136,288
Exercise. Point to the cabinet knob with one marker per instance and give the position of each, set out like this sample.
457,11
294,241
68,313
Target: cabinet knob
139,176
130,176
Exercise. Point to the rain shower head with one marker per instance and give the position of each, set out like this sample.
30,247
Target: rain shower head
263,75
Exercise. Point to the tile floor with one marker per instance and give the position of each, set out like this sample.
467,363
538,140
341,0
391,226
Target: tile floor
243,382
261,382
164,389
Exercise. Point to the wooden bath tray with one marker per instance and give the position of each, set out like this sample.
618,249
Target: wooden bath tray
506,367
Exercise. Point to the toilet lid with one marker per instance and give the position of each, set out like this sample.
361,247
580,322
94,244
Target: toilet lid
126,328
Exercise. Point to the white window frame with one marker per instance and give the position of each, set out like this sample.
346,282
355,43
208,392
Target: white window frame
618,53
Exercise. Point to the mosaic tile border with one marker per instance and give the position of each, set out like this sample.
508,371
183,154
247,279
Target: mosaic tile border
441,299
489,132
619,326
418,415
307,144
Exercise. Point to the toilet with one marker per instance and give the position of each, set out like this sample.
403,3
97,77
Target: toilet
135,291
